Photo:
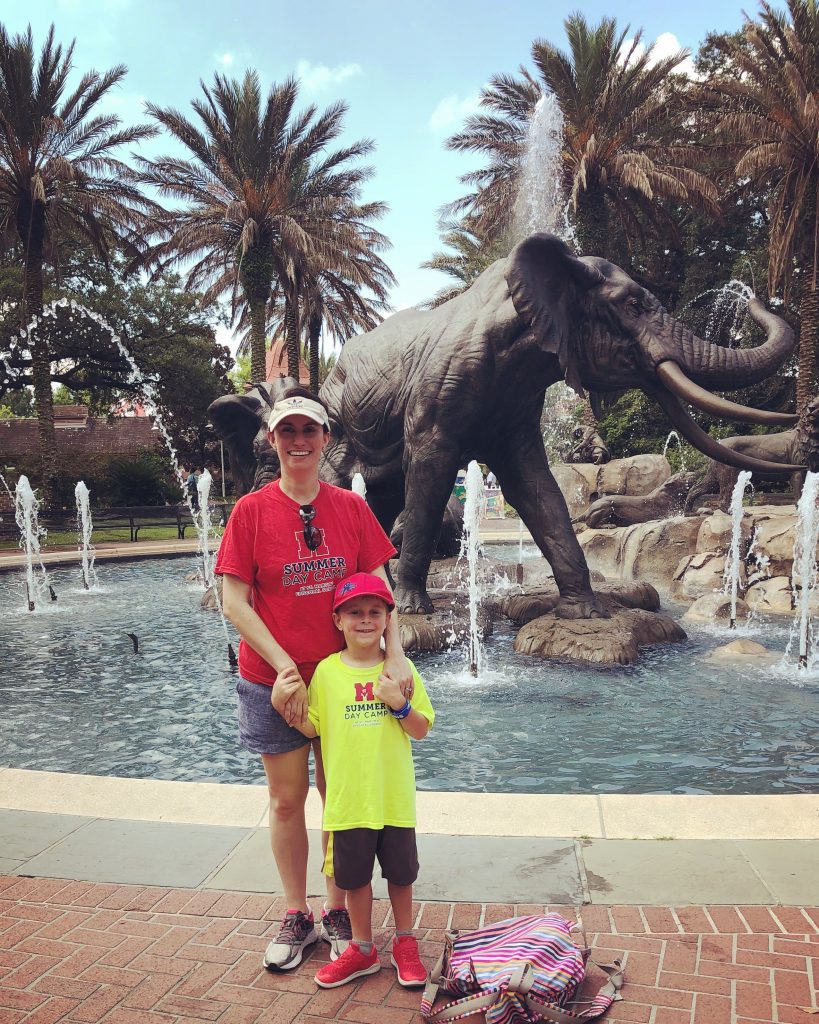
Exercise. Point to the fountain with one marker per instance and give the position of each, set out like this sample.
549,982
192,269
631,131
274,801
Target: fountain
729,308
732,560
358,485
804,568
84,530
471,547
673,434
204,526
541,204
26,509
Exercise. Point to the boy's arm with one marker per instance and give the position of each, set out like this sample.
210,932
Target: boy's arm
289,683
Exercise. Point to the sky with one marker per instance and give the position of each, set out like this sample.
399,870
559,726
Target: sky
410,73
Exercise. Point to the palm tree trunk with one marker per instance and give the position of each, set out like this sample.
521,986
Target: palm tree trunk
291,328
40,363
314,342
592,223
258,368
806,379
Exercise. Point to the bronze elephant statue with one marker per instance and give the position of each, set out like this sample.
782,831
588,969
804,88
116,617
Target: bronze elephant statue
800,445
428,390
588,446
629,509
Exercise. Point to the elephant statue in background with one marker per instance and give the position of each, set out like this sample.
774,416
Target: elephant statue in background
628,509
428,390
588,446
799,445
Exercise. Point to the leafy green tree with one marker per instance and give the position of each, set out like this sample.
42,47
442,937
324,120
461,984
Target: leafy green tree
59,176
769,115
622,118
262,193
468,255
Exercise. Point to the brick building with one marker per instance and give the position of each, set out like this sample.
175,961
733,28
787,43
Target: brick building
276,363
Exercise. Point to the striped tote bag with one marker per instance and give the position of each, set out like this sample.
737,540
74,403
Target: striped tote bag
517,971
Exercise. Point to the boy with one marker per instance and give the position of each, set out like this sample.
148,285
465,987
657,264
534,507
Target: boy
364,724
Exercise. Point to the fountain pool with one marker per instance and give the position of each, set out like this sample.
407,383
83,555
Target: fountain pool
75,698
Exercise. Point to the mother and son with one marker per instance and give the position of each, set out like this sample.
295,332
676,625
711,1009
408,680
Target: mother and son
305,584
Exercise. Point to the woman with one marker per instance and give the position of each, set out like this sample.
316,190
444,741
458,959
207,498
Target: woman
284,550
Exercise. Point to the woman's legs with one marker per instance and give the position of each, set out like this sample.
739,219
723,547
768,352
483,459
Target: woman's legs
336,897
287,785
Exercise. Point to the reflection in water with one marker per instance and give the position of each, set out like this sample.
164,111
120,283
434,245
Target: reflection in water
74,697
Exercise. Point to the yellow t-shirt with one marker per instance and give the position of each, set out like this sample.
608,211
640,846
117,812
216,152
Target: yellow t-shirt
367,755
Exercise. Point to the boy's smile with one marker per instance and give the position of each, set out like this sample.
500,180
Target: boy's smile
362,620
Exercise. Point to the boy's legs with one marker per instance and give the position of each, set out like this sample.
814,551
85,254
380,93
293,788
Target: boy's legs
335,896
335,921
350,859
398,856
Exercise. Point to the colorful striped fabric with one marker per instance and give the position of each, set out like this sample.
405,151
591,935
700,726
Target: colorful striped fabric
483,961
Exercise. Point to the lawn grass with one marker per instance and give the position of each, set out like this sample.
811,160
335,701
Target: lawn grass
61,538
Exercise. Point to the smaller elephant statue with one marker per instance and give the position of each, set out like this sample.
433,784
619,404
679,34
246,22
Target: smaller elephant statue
588,446
625,509
799,445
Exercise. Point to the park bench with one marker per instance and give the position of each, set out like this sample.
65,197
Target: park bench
133,518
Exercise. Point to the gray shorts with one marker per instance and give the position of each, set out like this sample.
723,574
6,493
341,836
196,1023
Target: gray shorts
261,728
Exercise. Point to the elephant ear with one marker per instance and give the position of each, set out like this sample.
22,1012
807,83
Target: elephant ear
545,280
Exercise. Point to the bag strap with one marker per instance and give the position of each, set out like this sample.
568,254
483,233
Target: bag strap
437,974
607,994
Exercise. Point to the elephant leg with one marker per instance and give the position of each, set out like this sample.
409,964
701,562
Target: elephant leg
528,485
430,477
387,503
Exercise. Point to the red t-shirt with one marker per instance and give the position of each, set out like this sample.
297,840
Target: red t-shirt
292,586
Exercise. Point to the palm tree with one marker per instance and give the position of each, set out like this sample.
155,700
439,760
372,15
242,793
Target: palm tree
58,179
344,295
470,254
620,123
769,114
260,196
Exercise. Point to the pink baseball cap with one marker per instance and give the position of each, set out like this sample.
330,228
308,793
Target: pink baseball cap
362,584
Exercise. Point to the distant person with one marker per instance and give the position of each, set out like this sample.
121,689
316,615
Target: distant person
192,489
364,724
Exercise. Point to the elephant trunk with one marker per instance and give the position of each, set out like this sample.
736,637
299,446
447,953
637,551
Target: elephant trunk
727,369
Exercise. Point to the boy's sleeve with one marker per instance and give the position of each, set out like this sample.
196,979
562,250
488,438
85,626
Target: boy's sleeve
313,700
420,699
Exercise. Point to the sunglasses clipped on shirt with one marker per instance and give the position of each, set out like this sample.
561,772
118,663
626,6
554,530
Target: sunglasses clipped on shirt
312,534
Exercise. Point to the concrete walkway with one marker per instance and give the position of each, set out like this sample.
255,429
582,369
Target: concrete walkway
131,901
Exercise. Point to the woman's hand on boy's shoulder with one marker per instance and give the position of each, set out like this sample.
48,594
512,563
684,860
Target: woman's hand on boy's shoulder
388,690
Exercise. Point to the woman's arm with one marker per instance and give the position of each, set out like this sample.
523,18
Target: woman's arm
414,724
236,604
395,662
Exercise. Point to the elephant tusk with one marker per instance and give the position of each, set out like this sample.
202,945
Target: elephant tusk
676,381
692,432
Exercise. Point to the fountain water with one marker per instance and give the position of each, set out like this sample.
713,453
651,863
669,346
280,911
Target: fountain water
541,203
26,508
732,559
358,485
152,403
471,547
84,530
729,308
204,526
804,568
678,439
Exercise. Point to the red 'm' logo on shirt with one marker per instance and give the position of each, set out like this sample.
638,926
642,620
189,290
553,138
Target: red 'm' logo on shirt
364,691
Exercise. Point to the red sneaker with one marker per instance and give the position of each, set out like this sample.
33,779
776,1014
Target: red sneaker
350,965
407,962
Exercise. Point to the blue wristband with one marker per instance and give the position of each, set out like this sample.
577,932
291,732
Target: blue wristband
401,712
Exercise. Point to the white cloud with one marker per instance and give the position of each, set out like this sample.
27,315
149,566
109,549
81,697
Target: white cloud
129,107
318,77
664,46
225,59
452,110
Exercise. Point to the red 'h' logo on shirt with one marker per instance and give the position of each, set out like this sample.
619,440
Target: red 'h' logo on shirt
364,691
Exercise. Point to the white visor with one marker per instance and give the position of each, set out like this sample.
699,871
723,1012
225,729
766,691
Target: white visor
297,406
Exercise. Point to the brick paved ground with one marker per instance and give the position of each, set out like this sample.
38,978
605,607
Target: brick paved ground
77,951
